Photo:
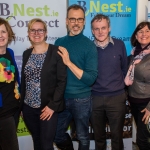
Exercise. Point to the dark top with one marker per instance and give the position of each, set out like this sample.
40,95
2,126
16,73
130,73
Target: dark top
53,79
83,54
9,87
112,68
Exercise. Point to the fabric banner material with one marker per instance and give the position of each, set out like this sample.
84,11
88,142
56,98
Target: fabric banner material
122,15
18,13
123,19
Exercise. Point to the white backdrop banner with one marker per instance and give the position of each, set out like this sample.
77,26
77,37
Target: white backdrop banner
20,12
53,12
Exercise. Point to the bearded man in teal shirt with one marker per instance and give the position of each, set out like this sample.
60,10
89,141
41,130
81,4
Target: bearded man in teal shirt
79,54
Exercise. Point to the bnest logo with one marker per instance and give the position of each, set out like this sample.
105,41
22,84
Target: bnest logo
116,9
21,10
22,130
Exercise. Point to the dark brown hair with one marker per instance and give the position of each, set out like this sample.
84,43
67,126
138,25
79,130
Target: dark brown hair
141,25
75,7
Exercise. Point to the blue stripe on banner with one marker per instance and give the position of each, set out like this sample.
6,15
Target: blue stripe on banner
122,14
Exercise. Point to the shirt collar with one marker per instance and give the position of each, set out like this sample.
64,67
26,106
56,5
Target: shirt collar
110,41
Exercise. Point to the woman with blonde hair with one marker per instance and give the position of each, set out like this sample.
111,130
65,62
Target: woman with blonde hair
43,81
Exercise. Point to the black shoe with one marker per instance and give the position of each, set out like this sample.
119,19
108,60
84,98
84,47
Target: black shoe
66,145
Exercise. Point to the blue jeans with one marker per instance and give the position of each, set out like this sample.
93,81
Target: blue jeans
42,131
80,110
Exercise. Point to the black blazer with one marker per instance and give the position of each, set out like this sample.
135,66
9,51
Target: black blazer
53,79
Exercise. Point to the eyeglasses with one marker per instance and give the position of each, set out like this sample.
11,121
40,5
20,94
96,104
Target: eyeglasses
79,20
39,31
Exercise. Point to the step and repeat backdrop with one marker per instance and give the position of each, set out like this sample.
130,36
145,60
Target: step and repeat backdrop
148,10
19,13
122,14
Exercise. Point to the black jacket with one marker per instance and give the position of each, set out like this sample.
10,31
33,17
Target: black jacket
53,79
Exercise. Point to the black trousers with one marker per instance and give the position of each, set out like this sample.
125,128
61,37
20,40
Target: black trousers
114,108
8,136
42,132
143,135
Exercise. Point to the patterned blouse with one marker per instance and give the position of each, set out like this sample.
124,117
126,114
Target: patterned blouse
32,73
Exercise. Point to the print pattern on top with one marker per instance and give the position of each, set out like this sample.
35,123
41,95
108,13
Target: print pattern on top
7,70
16,91
32,73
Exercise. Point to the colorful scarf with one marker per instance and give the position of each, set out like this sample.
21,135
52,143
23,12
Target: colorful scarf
130,74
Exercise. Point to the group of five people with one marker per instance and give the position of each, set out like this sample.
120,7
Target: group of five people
75,78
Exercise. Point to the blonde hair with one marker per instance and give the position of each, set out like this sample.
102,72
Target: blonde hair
31,22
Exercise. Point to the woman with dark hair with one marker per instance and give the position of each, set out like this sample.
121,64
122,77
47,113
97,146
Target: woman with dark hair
43,81
138,80
9,90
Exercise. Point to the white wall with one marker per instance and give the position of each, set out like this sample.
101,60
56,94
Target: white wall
142,10
149,10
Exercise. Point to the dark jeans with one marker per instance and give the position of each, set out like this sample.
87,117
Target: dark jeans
8,136
112,107
79,110
143,135
42,132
